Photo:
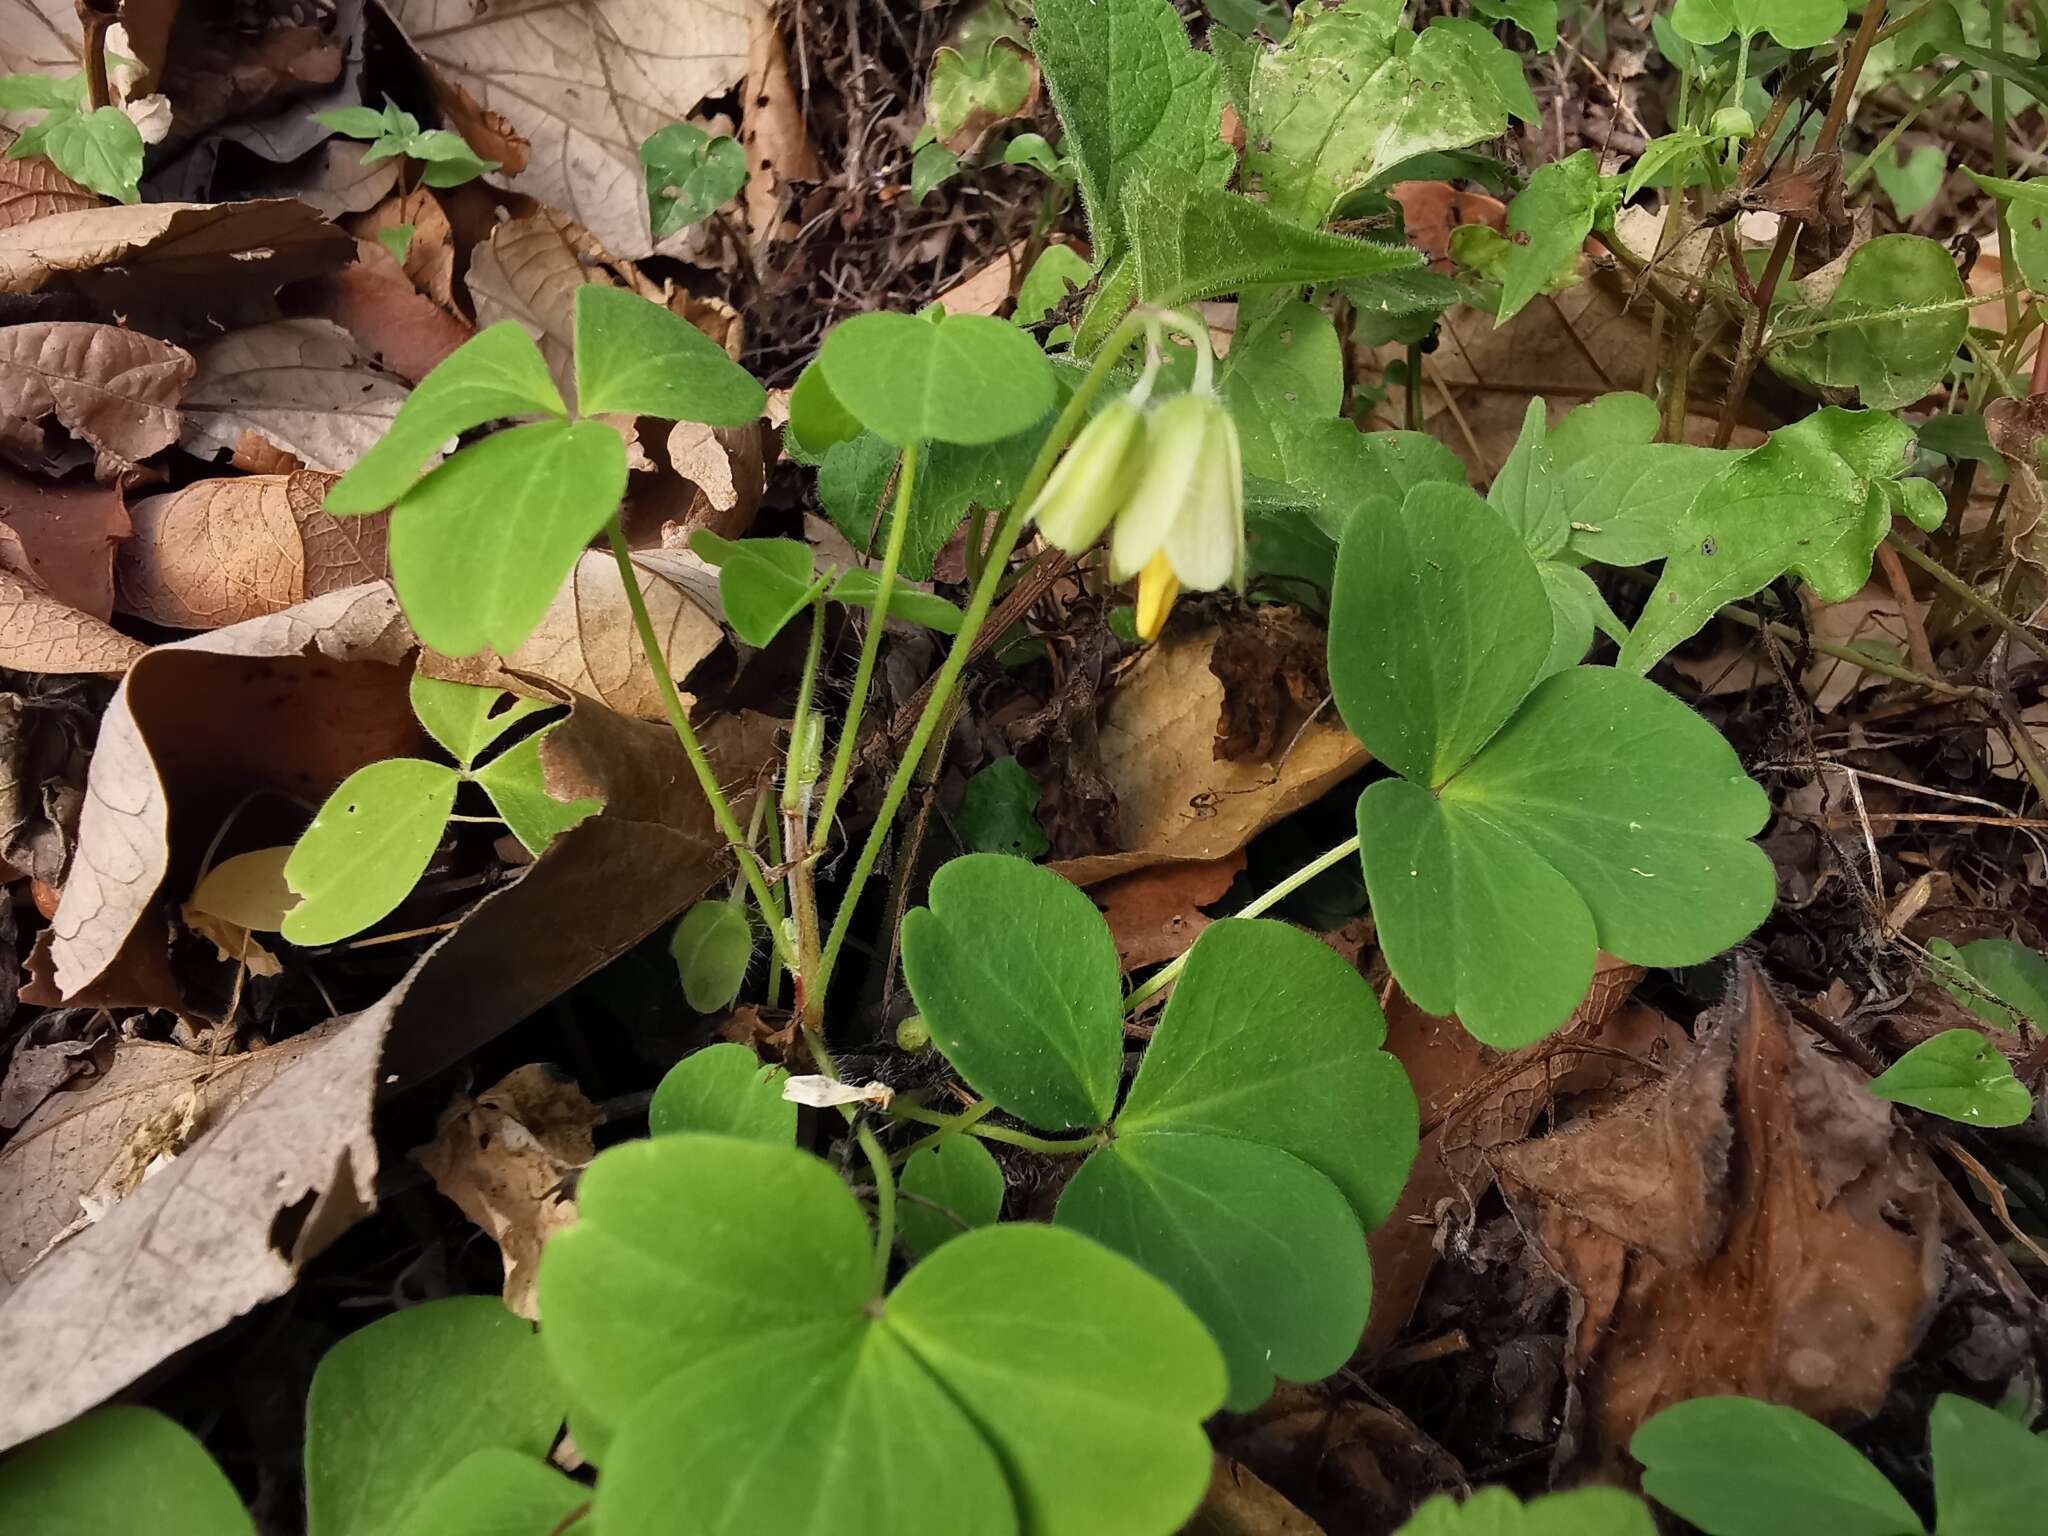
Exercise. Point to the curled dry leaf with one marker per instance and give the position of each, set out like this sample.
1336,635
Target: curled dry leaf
430,252
224,551
614,72
389,317
772,131
116,389
61,537
529,271
509,1158
300,385
586,641
485,131
727,469
40,634
46,735
1175,802
206,251
35,189
1756,1223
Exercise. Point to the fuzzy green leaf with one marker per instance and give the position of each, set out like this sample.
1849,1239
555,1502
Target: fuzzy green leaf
762,583
953,379
999,811
495,1493
367,848
118,1469
1813,501
640,358
959,1175
481,545
724,1090
1793,23
1556,212
497,372
517,785
1990,1475
2014,975
1496,1512
1797,1476
1896,356
101,150
1287,373
1036,1021
712,947
397,1406
984,85
1959,1075
690,175
464,719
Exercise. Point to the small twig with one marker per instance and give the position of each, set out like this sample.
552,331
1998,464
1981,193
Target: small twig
1918,651
95,17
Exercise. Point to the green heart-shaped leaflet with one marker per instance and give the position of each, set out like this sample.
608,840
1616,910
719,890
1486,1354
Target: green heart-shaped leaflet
118,1469
912,379
1528,829
725,1090
638,358
1265,1133
713,1317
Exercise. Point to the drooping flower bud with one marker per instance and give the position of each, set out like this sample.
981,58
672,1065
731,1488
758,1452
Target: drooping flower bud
1189,502
1093,481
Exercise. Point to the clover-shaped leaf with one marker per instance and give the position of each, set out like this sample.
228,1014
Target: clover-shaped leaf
1528,828
711,1286
949,1189
726,1091
517,784
948,378
1028,1008
119,1469
1793,23
399,1405
1959,1075
640,358
466,719
762,583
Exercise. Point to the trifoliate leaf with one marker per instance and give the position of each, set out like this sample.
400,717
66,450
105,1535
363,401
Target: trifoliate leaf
712,947
640,358
466,720
762,583
957,1178
1897,355
955,379
1959,1075
517,785
495,1493
119,1469
690,175
724,1090
367,848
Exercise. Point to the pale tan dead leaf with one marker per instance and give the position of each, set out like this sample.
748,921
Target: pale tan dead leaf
529,271
509,1157
231,941
1872,621
1175,802
116,389
986,289
772,131
60,537
333,179
585,84
248,890
1240,1503
727,469
232,248
698,455
430,252
35,189
586,641
301,385
389,317
40,634
257,455
220,552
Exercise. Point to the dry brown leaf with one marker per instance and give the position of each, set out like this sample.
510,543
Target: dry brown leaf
255,455
40,634
772,131
586,641
300,385
485,131
116,389
727,471
585,84
35,189
61,537
1792,1256
223,551
333,179
529,271
987,289
1430,210
430,252
1240,1503
228,249
1156,913
1367,1464
389,317
1175,802
509,1158
46,736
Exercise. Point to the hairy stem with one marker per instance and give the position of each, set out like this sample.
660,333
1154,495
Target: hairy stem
1968,595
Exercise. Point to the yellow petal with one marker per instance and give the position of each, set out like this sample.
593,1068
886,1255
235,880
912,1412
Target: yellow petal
1157,588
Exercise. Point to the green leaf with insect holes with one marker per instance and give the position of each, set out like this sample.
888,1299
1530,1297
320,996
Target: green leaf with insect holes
690,175
724,1090
367,848
1959,1075
1895,355
120,1468
464,719
1556,212
712,947
517,784
640,358
958,1178
954,379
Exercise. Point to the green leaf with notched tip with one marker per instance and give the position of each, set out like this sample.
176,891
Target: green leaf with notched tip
464,719
640,358
517,785
725,1090
952,379
367,848
1791,23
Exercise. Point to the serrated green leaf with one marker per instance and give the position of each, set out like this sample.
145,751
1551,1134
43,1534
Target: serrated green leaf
959,1178
1496,1512
1792,23
762,583
119,1468
397,1406
960,379
999,812
517,785
1797,1476
1286,373
712,947
711,1288
481,545
1959,1075
101,150
637,357
1195,242
1896,356
1556,212
497,372
1036,1022
724,1090
982,85
1990,1475
690,175
1438,624
2014,975
495,1493
367,848
464,719
1351,94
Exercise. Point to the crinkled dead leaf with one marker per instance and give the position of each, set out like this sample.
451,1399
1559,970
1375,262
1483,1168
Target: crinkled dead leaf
509,1158
389,317
223,551
46,736
585,85
488,133
586,641
301,385
116,389
772,131
203,251
1756,1223
1175,802
429,251
61,536
34,189
40,634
